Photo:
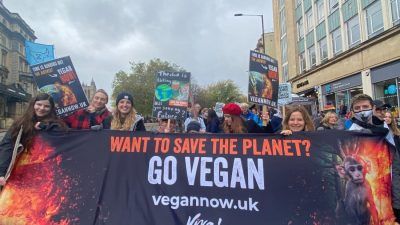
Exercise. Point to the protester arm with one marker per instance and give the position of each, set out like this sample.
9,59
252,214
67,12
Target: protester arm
268,128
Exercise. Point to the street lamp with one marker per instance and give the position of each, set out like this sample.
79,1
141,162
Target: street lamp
262,25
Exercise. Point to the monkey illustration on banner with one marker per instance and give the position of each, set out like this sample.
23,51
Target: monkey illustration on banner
357,207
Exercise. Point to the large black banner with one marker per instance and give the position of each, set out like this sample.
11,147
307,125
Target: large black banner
117,177
263,79
58,78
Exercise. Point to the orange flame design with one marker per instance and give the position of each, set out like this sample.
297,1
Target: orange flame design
377,155
32,194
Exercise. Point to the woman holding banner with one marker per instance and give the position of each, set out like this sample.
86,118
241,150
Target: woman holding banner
296,119
94,117
235,124
40,115
125,116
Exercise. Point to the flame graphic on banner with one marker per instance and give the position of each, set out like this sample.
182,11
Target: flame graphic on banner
376,156
379,178
36,190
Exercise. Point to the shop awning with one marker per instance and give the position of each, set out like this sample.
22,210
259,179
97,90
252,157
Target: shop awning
14,92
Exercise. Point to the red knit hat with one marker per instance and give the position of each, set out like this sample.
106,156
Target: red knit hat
232,109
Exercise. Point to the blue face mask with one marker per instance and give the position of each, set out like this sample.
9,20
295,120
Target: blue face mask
364,115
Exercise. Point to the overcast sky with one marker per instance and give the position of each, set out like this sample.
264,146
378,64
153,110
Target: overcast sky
103,36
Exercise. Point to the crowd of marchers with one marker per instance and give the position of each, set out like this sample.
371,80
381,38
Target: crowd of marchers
366,115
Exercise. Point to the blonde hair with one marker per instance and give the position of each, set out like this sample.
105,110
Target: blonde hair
120,123
325,120
101,91
308,124
393,125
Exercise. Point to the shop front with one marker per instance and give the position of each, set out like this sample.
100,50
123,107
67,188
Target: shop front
337,95
385,82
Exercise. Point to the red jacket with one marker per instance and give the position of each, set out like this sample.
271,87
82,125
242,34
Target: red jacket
82,119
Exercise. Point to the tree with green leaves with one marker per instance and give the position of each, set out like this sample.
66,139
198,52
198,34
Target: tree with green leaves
140,82
222,91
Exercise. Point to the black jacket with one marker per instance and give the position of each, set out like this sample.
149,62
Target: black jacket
252,127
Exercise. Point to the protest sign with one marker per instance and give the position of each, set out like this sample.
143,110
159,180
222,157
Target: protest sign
284,94
117,177
171,95
58,78
218,109
263,80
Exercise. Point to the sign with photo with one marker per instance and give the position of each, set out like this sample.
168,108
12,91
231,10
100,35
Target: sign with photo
58,78
171,95
263,80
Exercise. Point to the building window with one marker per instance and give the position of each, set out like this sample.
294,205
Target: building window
333,5
281,3
21,64
3,58
283,22
353,31
336,41
298,2
300,31
374,19
323,50
3,40
285,76
284,49
309,21
386,91
302,62
395,11
312,59
320,11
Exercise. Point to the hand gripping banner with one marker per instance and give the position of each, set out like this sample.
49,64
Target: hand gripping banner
117,177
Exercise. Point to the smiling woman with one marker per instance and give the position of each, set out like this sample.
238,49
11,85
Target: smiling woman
40,115
125,116
297,119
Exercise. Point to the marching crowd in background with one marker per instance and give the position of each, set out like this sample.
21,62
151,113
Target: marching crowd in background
365,115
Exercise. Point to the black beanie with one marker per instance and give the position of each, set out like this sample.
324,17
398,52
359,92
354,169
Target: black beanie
124,95
193,126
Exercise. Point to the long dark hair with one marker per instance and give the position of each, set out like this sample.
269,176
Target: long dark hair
29,119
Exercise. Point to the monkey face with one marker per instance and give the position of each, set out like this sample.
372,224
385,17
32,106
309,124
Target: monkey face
355,172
